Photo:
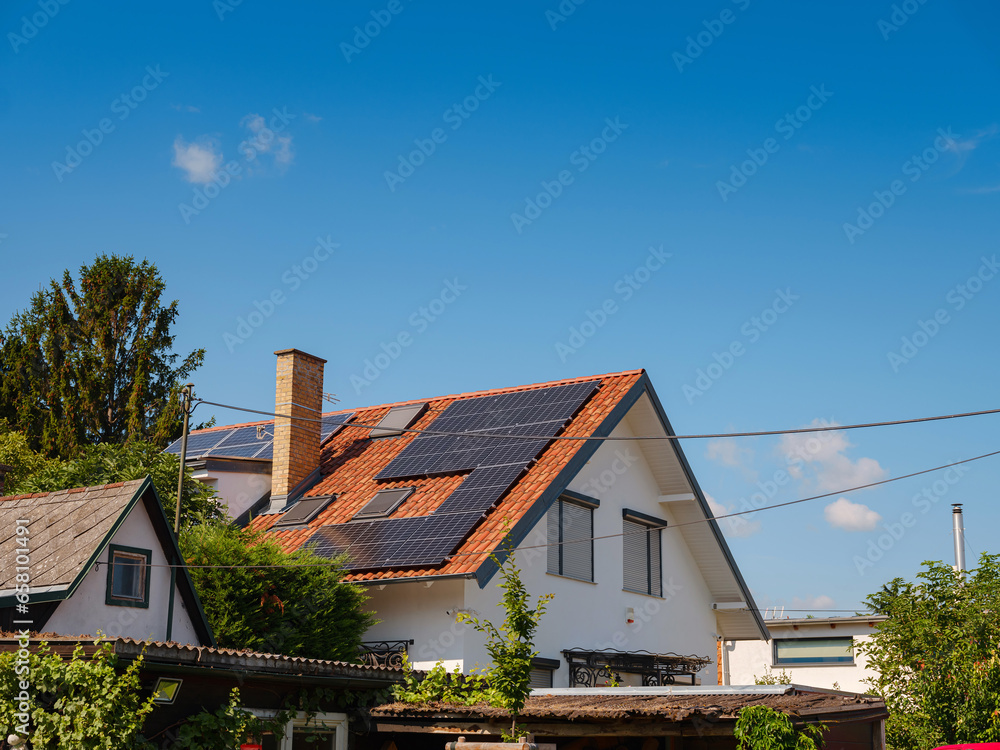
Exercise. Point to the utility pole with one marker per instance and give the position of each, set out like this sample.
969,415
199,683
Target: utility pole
958,530
186,393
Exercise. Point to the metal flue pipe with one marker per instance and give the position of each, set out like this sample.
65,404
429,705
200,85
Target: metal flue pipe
958,529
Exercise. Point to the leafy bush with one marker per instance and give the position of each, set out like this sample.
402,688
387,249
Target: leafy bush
265,599
440,685
79,703
764,728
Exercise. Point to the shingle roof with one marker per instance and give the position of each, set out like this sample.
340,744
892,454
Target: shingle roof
350,462
64,530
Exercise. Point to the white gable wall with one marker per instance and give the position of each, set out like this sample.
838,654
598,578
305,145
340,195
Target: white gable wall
239,490
86,612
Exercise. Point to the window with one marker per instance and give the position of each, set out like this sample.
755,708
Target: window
384,503
398,419
128,576
813,651
542,671
642,558
304,511
570,530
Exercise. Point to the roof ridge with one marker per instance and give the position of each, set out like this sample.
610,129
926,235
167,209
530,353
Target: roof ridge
73,490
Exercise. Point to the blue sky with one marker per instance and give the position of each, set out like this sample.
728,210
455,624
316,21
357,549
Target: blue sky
811,183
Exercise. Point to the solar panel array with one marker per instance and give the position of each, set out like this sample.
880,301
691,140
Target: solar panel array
495,463
243,442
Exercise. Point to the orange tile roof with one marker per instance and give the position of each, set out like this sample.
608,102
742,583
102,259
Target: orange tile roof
350,463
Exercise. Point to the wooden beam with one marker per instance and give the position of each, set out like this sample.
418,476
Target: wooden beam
545,729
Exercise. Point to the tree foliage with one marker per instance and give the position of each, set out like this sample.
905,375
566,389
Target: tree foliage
301,607
765,728
440,685
82,702
92,362
937,657
16,452
107,463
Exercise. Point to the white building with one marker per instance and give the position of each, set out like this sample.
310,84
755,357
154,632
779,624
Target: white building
96,559
817,651
617,530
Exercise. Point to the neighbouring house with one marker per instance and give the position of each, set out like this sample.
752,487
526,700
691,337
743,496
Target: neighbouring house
674,717
618,530
96,559
188,679
812,651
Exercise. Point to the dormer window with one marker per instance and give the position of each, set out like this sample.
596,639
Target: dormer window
398,419
128,576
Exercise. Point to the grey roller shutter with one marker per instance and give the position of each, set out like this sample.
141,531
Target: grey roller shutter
540,678
634,543
578,546
552,537
655,575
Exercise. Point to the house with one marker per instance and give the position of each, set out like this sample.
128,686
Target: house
673,717
421,495
96,559
813,651
188,679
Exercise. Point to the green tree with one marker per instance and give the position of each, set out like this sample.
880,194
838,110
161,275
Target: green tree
107,463
83,703
266,599
511,646
937,656
765,728
16,452
92,362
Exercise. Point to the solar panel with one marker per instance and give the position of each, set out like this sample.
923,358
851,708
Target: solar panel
198,442
304,511
495,463
332,424
384,503
398,419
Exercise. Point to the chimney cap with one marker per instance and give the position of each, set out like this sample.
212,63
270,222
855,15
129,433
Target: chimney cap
956,507
301,353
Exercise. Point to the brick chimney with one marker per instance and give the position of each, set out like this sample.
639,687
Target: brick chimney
298,393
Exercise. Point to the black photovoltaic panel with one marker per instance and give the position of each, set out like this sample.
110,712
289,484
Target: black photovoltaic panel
243,442
495,463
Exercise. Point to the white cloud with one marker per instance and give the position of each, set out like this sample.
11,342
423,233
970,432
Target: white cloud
263,140
199,160
729,452
971,144
311,117
824,453
185,108
737,526
813,602
843,514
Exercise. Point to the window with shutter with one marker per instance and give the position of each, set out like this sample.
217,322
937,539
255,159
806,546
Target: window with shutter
642,554
570,531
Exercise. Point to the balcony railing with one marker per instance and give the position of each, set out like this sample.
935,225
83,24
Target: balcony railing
384,653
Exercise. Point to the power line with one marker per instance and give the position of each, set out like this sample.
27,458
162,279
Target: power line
659,528
759,433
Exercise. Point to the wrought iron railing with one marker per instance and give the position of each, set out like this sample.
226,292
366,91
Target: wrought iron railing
384,653
589,668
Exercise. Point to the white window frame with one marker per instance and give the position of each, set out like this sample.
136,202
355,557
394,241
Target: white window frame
334,721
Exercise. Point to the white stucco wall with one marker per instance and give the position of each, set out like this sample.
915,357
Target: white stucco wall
750,659
85,612
583,614
238,490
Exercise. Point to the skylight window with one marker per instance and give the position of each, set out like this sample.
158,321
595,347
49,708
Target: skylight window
398,419
304,511
384,503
